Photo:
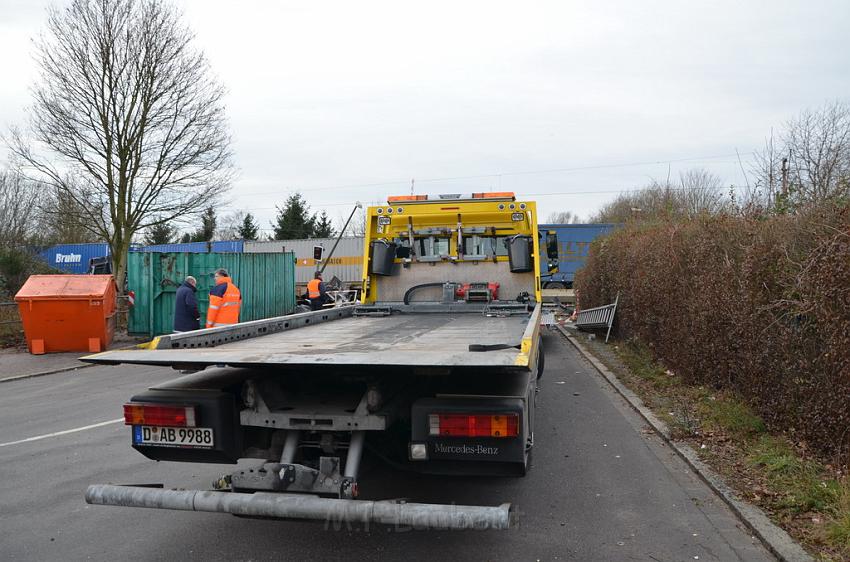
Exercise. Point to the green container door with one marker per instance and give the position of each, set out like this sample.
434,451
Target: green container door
266,281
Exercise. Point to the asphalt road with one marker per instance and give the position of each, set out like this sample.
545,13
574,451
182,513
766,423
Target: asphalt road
601,487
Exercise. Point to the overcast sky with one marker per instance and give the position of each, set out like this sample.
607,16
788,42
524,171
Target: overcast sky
564,102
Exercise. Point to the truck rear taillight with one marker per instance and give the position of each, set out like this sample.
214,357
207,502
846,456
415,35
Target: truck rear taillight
159,414
474,425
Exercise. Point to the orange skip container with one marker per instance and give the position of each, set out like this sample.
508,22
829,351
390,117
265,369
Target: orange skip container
68,312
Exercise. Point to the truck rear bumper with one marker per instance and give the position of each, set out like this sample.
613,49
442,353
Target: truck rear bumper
295,506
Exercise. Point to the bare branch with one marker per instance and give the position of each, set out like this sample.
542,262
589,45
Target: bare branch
127,121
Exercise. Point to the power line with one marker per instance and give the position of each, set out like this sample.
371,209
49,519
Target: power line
549,194
502,174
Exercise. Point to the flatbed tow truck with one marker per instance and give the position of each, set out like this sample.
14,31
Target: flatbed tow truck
434,371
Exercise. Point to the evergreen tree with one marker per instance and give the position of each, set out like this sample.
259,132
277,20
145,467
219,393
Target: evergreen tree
186,238
208,224
162,233
293,220
324,227
249,229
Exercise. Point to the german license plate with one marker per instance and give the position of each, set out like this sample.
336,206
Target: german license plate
197,437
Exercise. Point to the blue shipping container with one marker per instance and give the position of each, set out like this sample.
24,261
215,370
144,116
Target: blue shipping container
73,258
573,247
227,246
218,246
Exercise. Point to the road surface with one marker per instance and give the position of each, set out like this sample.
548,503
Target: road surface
601,487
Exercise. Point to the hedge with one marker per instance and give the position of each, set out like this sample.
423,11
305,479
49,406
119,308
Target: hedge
757,306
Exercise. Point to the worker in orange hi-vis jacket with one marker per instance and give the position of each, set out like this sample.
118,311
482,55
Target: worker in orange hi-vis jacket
225,301
316,292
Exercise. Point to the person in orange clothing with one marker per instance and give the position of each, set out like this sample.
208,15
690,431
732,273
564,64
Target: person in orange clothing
225,301
316,291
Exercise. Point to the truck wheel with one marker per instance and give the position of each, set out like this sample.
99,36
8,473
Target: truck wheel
541,359
526,465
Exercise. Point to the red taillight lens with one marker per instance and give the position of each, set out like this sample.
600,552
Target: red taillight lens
159,414
474,425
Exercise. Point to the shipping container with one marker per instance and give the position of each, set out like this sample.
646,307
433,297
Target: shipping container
345,264
73,258
218,246
573,248
266,281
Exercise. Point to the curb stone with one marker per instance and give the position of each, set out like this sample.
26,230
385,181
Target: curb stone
43,373
57,370
775,539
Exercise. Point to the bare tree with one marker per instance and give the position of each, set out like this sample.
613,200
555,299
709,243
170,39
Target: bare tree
18,209
818,142
62,218
702,192
357,226
230,225
697,192
767,169
127,120
815,148
563,217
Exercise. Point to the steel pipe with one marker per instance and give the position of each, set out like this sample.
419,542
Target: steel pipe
294,506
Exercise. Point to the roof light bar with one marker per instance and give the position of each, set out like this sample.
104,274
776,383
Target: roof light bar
493,195
400,198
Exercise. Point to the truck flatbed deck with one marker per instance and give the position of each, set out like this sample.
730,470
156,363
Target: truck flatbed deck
399,340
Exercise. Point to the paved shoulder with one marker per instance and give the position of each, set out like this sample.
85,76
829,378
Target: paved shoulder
639,500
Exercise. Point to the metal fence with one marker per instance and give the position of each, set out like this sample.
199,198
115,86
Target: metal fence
9,314
598,318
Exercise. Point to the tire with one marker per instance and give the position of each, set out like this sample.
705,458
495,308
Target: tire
541,359
525,466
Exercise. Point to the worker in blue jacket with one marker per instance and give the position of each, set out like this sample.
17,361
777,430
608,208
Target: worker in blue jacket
186,315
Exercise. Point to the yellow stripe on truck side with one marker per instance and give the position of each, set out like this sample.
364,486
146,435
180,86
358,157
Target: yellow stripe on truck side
527,356
345,260
149,345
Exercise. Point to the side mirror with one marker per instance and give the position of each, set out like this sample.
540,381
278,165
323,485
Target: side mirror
318,253
552,246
